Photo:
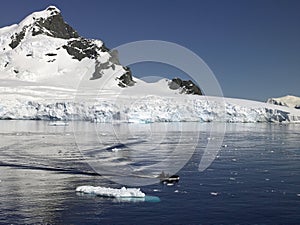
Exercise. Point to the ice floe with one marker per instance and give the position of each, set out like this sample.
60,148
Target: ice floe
112,192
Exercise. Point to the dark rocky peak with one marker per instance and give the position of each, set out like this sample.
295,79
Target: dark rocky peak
185,86
53,10
53,25
48,22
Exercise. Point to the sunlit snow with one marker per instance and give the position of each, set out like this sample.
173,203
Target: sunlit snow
112,192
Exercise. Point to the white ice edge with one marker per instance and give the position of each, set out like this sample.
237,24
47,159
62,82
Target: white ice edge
148,109
112,192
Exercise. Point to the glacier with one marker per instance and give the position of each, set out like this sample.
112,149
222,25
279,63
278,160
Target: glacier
148,109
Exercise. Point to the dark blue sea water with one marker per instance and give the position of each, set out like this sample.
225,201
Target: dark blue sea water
254,179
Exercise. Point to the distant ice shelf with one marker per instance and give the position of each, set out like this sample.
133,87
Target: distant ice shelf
150,109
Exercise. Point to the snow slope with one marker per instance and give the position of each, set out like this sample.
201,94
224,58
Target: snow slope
289,101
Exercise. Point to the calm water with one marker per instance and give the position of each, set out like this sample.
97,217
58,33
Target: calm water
254,179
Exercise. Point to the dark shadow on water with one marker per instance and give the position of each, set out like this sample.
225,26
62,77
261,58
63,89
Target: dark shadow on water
93,152
59,170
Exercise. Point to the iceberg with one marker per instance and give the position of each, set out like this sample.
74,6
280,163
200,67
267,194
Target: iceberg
112,192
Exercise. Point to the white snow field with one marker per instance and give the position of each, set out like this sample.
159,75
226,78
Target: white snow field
112,192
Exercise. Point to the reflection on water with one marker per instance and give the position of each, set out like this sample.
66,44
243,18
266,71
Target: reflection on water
254,177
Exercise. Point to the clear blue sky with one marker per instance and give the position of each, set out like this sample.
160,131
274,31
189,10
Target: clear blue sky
252,46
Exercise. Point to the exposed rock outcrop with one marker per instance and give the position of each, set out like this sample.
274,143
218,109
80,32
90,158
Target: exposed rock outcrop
185,87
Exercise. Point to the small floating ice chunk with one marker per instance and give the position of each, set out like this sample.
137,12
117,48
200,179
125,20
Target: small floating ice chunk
234,173
224,146
214,193
112,192
298,195
58,123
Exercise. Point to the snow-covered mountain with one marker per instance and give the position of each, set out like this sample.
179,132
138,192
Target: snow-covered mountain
289,101
43,47
48,71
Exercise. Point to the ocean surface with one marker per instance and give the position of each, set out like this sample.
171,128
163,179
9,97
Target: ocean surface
253,176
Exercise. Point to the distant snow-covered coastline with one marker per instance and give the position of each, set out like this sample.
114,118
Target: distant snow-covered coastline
150,109
288,101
